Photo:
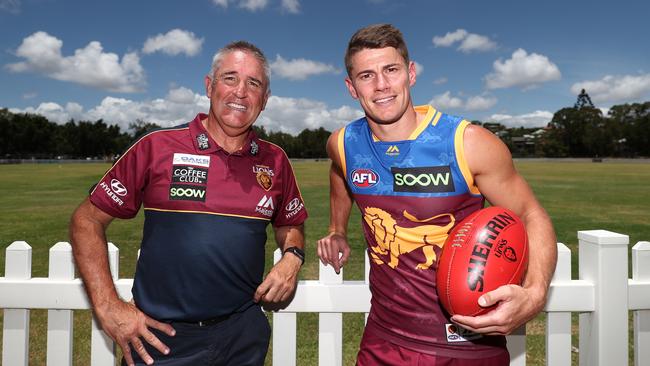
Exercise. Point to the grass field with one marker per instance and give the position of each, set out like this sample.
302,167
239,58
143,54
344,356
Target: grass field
36,202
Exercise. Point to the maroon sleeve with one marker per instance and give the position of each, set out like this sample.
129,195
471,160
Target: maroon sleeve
292,211
119,192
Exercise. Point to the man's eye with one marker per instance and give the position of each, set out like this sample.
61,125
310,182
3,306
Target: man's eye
255,84
229,79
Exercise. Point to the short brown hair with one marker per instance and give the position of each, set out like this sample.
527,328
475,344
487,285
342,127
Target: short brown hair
375,36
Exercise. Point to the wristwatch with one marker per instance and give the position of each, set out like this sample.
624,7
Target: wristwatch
297,252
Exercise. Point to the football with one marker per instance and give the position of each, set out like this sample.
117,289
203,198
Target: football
488,249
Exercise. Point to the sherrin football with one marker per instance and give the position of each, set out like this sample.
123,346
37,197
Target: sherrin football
488,249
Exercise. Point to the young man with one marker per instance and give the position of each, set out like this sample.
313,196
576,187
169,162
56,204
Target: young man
414,172
209,188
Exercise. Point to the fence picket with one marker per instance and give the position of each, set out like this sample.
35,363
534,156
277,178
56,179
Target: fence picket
102,348
60,322
641,272
558,324
15,339
330,325
284,332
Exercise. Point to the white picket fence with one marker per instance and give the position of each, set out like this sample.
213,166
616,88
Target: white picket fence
603,296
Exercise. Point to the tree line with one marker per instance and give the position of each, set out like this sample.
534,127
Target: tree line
572,132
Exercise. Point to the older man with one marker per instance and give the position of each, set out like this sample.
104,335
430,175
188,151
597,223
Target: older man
209,188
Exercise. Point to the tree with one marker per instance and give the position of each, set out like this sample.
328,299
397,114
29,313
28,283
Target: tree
581,131
140,127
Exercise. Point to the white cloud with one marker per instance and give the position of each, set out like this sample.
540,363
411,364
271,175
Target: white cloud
300,69
450,38
440,81
181,105
625,88
480,102
292,6
473,103
174,42
522,70
89,66
292,115
54,112
252,5
446,101
528,120
476,42
469,42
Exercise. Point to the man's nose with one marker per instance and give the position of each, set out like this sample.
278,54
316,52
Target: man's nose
381,82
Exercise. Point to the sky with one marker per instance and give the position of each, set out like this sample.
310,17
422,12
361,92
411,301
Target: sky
512,62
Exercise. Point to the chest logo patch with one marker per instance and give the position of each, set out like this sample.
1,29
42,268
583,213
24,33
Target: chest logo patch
203,142
264,176
185,192
364,178
423,179
189,159
393,240
265,206
392,150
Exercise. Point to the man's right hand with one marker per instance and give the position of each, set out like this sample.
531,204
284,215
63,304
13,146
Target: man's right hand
125,324
334,250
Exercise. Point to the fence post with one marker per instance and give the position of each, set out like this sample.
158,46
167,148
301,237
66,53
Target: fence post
60,322
604,332
330,325
641,272
102,348
558,324
15,339
284,332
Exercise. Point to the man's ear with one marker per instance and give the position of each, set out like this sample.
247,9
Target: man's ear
208,86
412,73
266,99
351,89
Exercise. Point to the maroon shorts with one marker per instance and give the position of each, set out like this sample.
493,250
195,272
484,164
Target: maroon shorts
376,351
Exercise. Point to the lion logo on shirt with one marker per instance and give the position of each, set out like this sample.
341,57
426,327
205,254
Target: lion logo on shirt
394,240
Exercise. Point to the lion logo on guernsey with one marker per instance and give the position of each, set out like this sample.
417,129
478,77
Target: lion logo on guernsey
364,178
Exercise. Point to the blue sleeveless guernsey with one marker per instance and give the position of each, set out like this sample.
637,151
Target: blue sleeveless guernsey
410,194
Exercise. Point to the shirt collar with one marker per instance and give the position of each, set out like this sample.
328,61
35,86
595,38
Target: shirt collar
204,144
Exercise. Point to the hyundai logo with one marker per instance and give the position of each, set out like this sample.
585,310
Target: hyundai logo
118,188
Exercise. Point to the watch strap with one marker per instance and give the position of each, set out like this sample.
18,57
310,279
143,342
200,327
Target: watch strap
297,252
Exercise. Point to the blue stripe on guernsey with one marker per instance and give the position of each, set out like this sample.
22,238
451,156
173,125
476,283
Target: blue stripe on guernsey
227,264
425,166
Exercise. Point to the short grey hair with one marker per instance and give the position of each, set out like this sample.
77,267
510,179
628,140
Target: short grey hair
244,47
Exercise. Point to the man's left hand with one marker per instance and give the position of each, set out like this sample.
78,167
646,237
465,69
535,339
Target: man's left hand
515,305
281,281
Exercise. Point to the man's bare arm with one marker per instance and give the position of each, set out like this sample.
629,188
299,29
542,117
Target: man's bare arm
122,321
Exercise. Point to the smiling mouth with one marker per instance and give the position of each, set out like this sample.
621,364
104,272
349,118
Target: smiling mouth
384,100
237,107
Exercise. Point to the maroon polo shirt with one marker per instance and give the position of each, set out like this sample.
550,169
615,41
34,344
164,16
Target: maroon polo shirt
206,213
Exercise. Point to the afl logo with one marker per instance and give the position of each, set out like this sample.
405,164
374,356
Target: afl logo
118,187
364,178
